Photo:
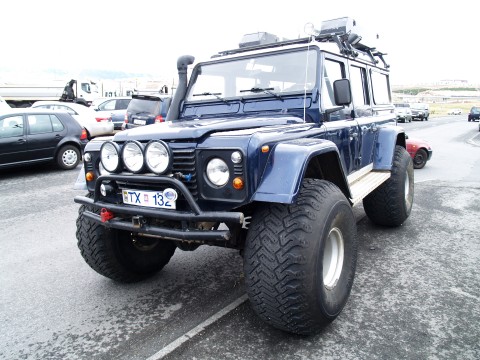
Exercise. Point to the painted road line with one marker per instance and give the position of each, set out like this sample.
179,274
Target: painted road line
197,329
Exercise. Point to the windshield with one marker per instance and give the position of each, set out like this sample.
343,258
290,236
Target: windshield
419,106
275,73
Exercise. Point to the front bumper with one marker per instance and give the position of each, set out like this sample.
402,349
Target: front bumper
138,219
429,152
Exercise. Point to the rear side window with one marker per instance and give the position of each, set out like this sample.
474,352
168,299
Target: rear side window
56,123
381,88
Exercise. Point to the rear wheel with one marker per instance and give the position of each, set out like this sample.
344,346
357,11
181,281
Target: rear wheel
118,254
391,203
68,157
300,259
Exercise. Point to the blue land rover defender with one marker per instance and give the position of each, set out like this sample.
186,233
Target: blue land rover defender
266,149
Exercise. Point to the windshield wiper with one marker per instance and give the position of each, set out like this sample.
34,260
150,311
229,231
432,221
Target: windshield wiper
264,90
212,94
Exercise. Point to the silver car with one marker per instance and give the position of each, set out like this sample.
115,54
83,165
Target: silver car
84,115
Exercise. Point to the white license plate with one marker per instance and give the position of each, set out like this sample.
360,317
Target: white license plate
155,199
139,122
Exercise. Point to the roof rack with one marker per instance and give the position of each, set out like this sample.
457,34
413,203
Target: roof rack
339,31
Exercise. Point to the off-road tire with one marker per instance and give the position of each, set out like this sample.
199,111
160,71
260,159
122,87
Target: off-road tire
117,254
420,159
391,203
68,157
284,259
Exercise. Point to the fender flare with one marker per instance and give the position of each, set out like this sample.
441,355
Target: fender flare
388,138
286,167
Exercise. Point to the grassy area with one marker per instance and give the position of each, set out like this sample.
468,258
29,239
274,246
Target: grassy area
441,109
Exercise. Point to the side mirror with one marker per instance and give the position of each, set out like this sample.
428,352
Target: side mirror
342,92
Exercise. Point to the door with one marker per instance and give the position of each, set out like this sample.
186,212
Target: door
45,131
13,142
363,113
341,127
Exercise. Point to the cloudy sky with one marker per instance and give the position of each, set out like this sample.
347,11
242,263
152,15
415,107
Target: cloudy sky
424,43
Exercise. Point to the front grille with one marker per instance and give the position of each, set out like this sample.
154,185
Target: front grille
184,165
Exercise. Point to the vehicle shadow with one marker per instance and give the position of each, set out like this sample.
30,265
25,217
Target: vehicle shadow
33,170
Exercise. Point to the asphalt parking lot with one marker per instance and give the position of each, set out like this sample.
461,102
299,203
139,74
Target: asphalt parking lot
415,296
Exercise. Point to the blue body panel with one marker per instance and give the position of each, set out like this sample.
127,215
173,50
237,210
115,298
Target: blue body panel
385,147
286,167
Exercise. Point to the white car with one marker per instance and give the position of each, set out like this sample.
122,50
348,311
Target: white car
94,125
455,112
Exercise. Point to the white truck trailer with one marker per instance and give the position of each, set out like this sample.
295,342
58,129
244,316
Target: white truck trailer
24,95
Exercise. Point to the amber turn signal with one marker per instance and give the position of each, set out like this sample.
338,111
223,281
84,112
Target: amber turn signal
89,176
238,183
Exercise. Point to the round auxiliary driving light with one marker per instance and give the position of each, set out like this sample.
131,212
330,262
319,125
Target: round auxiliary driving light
157,156
109,156
132,156
217,172
236,157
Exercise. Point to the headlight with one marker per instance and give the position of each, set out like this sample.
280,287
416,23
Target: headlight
109,156
217,172
157,157
132,155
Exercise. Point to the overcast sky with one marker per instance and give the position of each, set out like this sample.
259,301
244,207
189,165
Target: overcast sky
424,42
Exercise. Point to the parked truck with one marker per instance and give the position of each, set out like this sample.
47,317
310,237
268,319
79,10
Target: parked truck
24,95
266,149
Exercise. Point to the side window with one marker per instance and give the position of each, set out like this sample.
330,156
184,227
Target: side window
86,87
39,123
358,83
108,105
56,123
381,88
332,71
122,104
11,126
66,108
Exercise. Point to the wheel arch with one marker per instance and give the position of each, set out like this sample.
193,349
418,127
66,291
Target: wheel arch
292,161
388,138
66,143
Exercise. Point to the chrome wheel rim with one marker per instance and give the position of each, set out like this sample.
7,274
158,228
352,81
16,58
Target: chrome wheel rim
333,258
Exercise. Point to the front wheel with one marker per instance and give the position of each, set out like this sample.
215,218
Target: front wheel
391,203
420,159
118,254
300,259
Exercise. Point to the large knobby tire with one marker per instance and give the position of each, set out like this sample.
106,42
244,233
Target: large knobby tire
300,259
420,159
117,254
68,157
391,203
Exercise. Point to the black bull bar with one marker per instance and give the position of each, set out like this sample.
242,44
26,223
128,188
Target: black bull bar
136,225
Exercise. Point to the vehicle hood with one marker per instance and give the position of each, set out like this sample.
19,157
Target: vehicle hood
195,129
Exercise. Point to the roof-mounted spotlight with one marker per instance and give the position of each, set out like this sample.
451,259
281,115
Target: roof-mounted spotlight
310,30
